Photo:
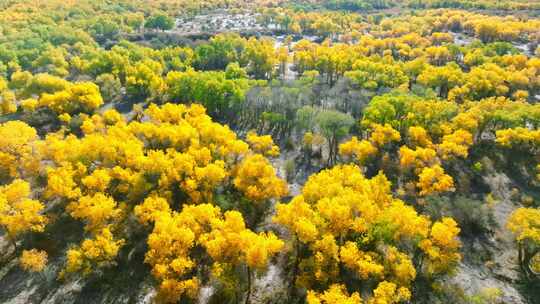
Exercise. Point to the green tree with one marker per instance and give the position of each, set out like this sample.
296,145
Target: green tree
334,125
221,50
159,22
221,96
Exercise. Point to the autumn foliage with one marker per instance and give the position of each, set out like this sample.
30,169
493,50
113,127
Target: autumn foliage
335,150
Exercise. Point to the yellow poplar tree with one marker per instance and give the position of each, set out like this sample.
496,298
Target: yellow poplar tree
345,220
18,212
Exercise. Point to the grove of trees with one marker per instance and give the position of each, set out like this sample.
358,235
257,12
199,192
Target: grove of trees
352,145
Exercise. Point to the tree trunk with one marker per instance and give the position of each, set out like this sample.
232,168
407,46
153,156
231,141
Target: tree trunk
292,286
248,295
8,257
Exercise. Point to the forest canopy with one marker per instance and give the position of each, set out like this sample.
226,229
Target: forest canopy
327,151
